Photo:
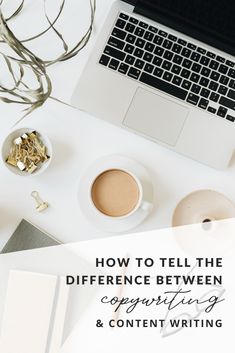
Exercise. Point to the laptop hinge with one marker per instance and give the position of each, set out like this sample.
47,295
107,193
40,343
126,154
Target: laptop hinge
147,9
131,2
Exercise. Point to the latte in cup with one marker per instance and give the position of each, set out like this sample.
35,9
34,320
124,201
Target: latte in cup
115,193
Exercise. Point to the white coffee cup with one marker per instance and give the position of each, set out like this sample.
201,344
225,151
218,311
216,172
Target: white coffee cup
140,204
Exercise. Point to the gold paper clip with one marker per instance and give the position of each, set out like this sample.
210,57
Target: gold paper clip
41,205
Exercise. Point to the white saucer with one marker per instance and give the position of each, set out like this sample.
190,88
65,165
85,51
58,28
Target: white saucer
209,239
201,205
103,222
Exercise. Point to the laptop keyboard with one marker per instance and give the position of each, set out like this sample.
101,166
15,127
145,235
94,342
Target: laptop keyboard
172,65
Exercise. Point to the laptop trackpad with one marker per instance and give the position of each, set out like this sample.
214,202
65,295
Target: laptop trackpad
156,117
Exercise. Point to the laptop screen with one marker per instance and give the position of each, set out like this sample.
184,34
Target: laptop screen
211,21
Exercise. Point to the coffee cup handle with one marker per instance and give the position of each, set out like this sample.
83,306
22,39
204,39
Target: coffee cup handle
146,206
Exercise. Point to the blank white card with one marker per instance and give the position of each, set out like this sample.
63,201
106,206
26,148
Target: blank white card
30,312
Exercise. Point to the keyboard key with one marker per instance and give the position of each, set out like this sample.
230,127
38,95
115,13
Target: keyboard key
211,55
214,75
186,52
176,48
134,20
196,67
201,50
158,40
134,73
192,98
166,65
140,43
114,64
157,61
182,42
214,97
231,73
130,60
223,90
149,47
131,38
130,27
230,118
129,48
205,93
195,57
187,63
176,69
195,89
231,94
159,51
186,84
115,53
138,53
224,80
204,60
177,80
120,23
139,64
232,83
194,77
222,112
191,46
220,59
143,25
123,68
223,69
229,103
149,68
124,16
162,33
203,103
148,57
167,44
163,86
229,63
153,29
177,59
148,36
158,72
173,38
167,76
114,42
205,71
214,65
119,33
204,81
168,55
211,110
185,73
213,86
139,32
104,60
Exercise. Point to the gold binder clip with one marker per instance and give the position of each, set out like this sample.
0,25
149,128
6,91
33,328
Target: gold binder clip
41,205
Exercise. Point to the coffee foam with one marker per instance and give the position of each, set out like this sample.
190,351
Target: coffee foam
115,193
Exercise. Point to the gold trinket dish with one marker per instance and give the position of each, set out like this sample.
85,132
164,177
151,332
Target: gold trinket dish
26,152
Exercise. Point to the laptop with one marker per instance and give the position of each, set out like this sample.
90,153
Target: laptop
165,69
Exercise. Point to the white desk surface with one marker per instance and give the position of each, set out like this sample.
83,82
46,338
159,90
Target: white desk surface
78,140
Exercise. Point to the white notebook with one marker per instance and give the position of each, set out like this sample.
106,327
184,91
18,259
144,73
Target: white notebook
34,313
